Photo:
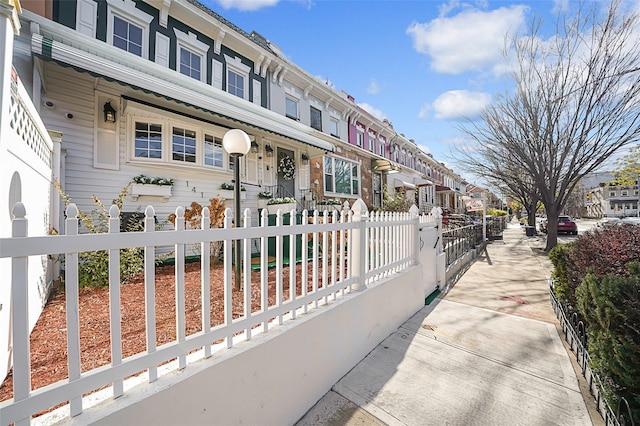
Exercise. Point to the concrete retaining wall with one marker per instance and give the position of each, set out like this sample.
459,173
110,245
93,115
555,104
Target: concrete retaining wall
275,378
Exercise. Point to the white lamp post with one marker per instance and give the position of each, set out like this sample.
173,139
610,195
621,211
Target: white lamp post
236,143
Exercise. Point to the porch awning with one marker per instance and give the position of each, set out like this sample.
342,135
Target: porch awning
384,166
422,182
442,188
116,66
402,184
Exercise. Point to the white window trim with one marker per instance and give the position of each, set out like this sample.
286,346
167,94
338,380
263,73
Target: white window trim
235,65
190,42
168,122
333,120
127,11
347,160
297,101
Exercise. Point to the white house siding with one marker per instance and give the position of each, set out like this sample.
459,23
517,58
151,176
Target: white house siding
73,92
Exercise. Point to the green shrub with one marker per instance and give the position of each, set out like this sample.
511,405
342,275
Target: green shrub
564,286
93,267
610,305
496,213
398,202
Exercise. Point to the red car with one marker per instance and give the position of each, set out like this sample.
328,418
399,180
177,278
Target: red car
566,224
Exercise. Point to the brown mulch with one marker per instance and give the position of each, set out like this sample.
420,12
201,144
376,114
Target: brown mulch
49,342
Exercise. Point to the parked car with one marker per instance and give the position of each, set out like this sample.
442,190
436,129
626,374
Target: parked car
565,224
632,220
608,221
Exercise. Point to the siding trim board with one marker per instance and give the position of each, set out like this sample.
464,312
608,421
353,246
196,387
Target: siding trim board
214,102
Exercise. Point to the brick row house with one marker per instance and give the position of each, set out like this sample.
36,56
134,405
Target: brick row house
131,88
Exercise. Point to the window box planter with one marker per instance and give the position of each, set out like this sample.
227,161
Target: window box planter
286,208
228,194
329,208
262,203
149,190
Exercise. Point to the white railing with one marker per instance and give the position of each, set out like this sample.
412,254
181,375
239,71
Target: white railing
344,252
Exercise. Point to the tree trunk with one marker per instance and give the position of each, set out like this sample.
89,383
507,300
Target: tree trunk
531,214
552,229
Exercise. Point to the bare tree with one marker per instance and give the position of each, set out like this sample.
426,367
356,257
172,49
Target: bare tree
576,101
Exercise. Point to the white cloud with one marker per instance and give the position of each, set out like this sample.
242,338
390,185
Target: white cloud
560,6
460,104
373,111
247,5
424,148
472,40
374,88
425,112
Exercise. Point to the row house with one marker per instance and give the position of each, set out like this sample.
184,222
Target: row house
622,200
150,88
132,88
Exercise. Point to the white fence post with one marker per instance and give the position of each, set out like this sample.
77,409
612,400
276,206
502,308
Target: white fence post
114,300
205,278
71,287
20,313
415,233
180,285
150,290
358,249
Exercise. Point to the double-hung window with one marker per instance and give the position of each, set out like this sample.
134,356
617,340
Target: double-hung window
213,155
128,27
334,127
148,140
359,138
235,84
341,176
127,36
237,77
316,118
183,145
190,63
191,54
291,108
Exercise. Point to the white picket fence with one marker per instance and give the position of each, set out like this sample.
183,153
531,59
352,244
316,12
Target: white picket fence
347,252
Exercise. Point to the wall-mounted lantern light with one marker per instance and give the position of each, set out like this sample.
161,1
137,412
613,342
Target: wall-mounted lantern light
268,150
254,147
304,159
109,113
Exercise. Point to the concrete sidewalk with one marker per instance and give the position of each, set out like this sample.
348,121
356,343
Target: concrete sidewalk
486,352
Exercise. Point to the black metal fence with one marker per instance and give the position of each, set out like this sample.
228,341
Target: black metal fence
576,336
458,241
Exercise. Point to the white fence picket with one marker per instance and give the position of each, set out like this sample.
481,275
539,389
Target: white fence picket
150,291
356,249
205,279
114,300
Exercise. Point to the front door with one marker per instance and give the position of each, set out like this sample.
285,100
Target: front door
286,177
377,190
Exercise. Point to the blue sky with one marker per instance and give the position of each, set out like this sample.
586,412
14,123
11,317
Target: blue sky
424,65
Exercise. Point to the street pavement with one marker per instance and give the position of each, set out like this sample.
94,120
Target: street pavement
487,351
